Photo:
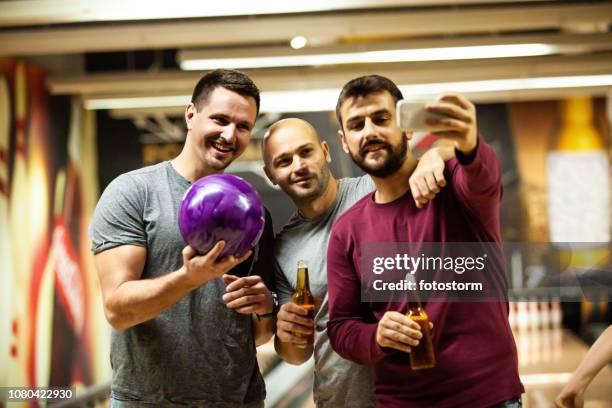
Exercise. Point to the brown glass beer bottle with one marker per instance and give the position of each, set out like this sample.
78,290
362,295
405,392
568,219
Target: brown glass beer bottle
421,356
304,298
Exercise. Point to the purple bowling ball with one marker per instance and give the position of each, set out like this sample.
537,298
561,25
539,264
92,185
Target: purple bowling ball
221,207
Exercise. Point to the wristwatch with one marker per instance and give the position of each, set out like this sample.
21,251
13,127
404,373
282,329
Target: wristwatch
275,308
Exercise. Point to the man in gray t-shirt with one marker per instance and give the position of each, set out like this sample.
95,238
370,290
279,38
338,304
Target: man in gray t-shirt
298,161
185,324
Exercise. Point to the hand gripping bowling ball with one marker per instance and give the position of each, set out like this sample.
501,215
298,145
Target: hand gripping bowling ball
221,207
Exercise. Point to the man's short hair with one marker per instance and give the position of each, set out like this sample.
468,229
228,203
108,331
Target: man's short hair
365,86
229,79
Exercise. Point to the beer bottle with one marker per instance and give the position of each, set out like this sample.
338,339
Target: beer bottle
303,297
421,356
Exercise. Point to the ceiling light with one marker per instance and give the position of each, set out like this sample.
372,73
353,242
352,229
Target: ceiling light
507,85
325,99
298,42
189,62
137,102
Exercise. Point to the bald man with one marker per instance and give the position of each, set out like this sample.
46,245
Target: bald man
298,161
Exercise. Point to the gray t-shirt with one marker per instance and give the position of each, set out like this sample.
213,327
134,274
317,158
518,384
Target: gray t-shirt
198,351
338,382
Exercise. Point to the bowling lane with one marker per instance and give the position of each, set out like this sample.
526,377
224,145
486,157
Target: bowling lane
547,359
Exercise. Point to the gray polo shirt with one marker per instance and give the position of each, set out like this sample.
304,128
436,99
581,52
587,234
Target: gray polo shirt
338,382
196,352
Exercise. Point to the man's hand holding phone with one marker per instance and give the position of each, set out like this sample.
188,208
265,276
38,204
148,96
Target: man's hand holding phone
450,116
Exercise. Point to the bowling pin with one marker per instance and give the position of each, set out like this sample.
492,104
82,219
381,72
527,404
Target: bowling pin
544,310
522,315
533,313
556,316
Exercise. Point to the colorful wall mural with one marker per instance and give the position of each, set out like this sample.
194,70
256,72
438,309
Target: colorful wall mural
52,328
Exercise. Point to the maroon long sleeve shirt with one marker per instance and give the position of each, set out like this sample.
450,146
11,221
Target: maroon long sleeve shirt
475,351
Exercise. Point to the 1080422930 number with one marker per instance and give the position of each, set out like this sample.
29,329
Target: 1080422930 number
15,394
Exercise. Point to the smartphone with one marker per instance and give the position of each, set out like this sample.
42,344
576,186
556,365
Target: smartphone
411,116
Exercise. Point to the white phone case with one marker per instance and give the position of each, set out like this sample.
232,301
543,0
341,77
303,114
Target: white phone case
411,116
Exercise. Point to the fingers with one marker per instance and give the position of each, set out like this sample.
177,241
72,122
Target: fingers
392,333
238,283
249,305
227,278
188,253
202,268
398,332
428,177
292,324
389,343
231,261
214,253
416,193
458,120
294,309
448,124
400,322
287,336
432,185
424,188
293,327
562,403
245,300
439,176
451,135
245,256
450,110
247,295
395,335
252,303
244,291
457,99
293,314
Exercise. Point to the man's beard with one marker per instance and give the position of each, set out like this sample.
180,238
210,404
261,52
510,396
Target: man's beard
392,163
301,196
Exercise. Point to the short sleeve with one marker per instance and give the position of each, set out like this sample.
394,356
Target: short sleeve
118,217
365,185
361,187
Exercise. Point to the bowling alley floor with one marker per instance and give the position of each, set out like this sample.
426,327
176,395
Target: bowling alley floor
546,360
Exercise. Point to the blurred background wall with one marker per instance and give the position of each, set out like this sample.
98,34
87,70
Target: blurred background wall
53,329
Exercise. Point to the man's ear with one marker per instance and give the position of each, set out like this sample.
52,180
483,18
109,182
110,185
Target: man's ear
408,134
325,147
190,112
343,141
269,175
